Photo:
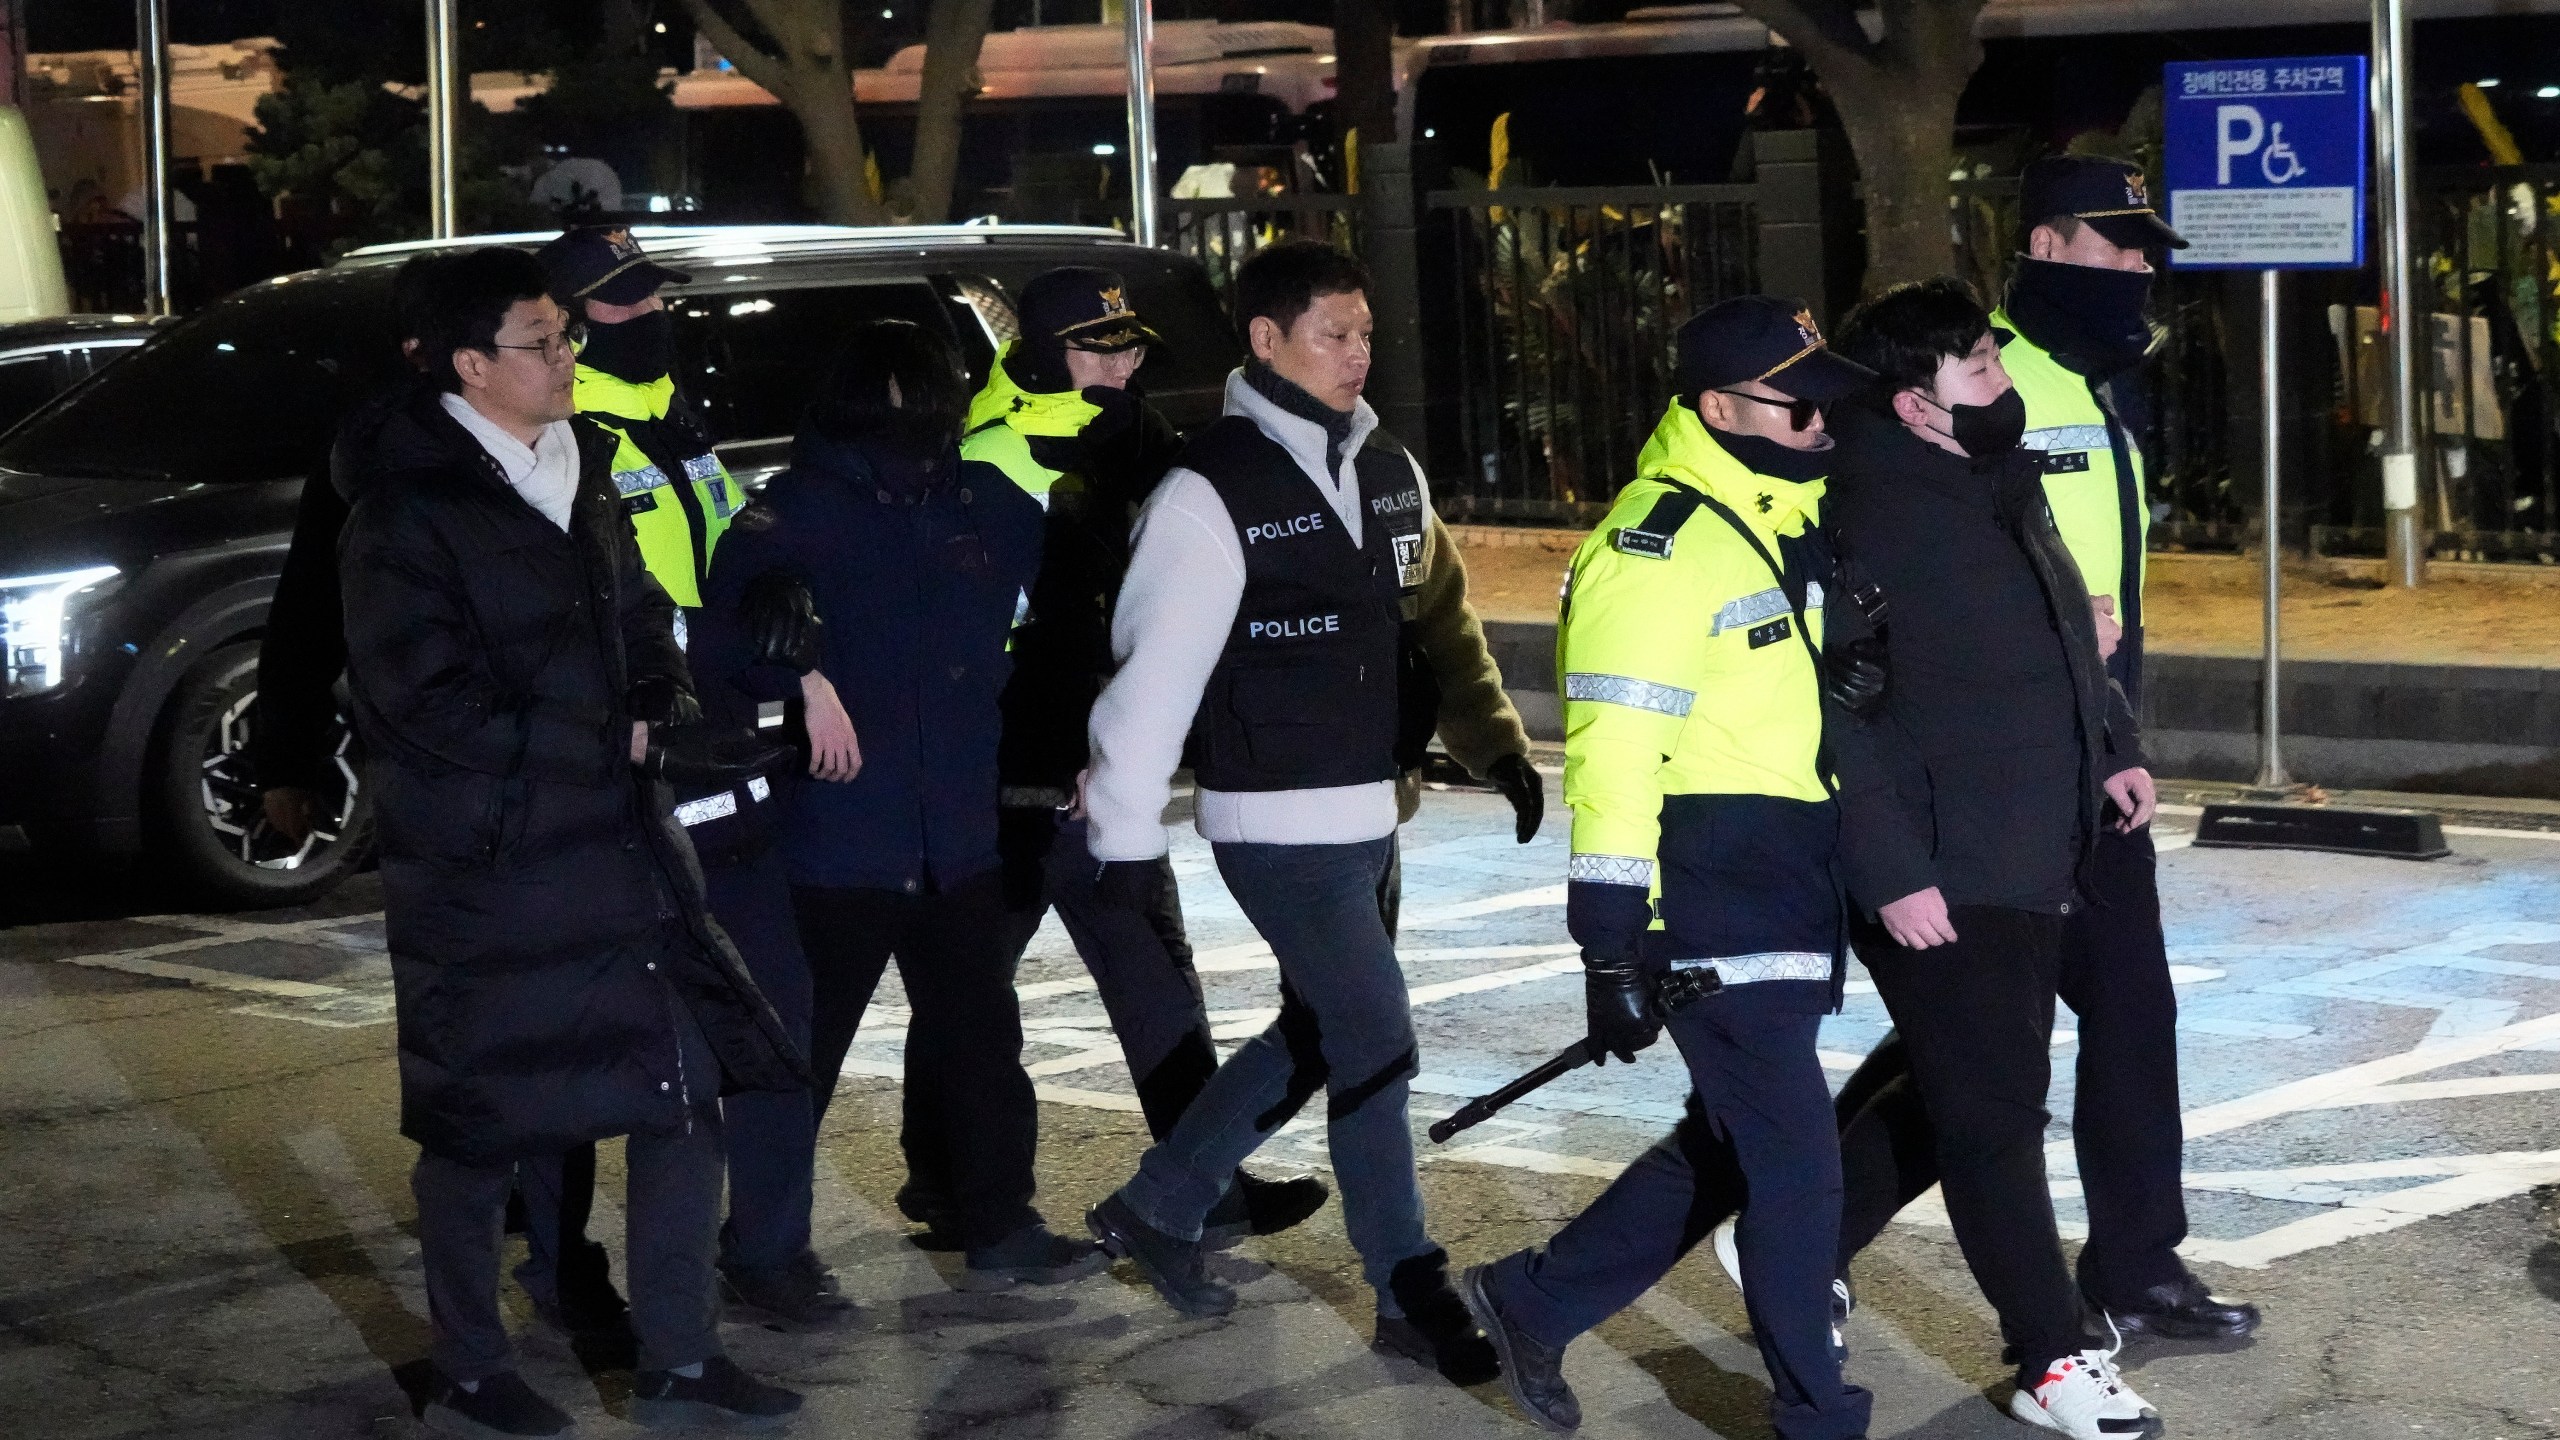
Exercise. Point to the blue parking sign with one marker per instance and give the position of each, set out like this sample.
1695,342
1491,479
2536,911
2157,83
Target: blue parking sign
2266,162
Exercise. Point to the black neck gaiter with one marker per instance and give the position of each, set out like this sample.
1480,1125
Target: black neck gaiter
1293,397
2091,319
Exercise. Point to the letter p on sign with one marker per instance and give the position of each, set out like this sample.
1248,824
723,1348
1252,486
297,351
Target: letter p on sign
2238,130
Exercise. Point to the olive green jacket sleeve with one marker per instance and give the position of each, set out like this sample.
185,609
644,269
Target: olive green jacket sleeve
1478,722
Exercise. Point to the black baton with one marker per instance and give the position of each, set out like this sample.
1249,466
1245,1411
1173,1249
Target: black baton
1484,1107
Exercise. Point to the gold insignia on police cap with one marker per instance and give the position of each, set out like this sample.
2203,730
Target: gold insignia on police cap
2137,188
1112,304
1806,330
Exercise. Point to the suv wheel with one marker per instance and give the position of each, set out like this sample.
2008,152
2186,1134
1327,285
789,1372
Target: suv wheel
212,825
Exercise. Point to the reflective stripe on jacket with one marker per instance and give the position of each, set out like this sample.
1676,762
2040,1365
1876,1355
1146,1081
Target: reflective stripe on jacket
2079,441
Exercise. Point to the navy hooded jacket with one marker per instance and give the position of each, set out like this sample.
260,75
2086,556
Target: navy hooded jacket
918,588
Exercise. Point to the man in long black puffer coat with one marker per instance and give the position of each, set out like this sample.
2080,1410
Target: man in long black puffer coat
557,977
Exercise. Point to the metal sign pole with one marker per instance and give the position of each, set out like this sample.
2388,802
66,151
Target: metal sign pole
2406,564
151,44
1141,15
443,223
2271,774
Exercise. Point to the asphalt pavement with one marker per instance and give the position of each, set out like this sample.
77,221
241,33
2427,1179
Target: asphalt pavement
205,1227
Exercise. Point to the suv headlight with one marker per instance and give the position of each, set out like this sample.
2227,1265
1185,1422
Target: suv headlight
35,622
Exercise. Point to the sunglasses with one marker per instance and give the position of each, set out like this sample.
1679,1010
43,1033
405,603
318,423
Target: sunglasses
1800,413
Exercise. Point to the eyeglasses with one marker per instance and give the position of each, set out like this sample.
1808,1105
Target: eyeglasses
564,342
1800,413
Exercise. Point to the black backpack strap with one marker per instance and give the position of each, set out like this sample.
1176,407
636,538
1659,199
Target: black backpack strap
1651,537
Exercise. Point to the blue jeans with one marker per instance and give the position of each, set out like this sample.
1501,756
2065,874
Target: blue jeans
1349,1030
773,1135
1759,1107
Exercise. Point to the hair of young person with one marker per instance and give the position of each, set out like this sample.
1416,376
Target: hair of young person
461,303
1280,283
1905,333
854,400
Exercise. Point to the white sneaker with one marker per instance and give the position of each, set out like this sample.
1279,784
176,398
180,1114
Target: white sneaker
2084,1397
1728,1252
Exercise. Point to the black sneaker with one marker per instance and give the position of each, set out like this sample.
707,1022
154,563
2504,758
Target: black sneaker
722,1395
1171,1265
799,1294
503,1406
1531,1372
1032,1255
2184,1310
1255,1206
1435,1329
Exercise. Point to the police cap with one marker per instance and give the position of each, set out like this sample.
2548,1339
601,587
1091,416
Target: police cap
603,262
1763,338
2110,196
1082,307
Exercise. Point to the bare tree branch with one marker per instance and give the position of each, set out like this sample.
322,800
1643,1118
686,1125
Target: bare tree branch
1825,30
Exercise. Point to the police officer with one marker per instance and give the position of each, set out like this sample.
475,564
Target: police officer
1062,416
1262,620
679,496
2076,306
1701,885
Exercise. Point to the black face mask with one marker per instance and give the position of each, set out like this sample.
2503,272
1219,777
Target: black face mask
1764,456
2083,313
1987,432
639,349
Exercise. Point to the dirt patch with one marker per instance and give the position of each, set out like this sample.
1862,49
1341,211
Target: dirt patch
2199,604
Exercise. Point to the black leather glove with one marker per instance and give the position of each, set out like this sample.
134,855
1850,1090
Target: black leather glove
1522,785
1617,1005
696,758
661,700
782,623
1119,413
1854,676
1130,884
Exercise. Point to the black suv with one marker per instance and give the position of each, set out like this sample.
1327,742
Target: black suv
144,514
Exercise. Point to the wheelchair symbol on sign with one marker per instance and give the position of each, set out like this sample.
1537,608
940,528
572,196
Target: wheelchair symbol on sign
2278,152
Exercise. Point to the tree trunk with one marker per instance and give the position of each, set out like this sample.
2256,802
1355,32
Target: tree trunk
1902,130
1364,35
799,58
953,35
1897,99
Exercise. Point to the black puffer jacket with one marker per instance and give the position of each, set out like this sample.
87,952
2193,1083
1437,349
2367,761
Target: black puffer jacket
545,918
1981,774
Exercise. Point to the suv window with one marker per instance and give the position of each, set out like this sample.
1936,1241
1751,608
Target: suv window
250,389
26,381
755,356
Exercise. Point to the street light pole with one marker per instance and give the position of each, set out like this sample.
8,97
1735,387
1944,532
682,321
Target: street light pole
2406,563
151,44
443,223
1141,17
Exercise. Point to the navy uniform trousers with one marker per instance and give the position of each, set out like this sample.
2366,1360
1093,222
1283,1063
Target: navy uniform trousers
1758,1109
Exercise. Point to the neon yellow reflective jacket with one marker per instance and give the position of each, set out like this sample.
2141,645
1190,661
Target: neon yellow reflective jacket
2081,486
677,528
1678,660
1002,418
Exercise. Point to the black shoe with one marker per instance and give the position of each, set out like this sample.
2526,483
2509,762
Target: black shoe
1435,1328
503,1405
2183,1310
1171,1265
1532,1373
1255,1206
1032,1256
722,1395
801,1293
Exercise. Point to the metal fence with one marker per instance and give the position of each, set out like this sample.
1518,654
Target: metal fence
1561,307
1224,233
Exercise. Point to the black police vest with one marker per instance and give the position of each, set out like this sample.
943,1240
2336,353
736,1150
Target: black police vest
1312,690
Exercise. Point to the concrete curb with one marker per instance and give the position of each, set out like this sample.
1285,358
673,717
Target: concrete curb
2444,729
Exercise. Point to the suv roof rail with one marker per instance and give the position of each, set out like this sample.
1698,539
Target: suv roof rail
741,242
